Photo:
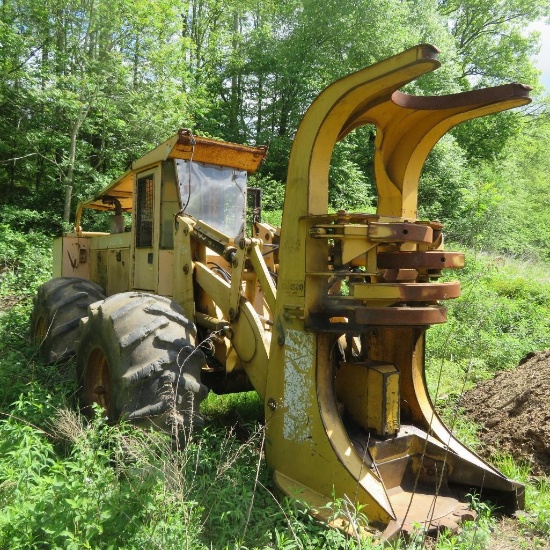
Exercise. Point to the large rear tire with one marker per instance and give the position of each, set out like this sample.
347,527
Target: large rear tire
137,359
59,305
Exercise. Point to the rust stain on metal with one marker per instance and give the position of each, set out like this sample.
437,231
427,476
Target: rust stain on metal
400,232
431,259
414,292
212,151
400,316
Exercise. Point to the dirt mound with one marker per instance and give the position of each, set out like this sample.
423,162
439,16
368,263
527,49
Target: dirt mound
514,411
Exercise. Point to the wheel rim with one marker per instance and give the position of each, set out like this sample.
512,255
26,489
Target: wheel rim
40,330
98,380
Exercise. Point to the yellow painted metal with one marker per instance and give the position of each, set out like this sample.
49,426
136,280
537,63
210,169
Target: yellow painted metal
166,273
145,273
407,130
118,271
369,392
383,410
183,145
289,343
237,276
404,348
262,272
71,257
57,257
402,291
307,440
248,336
183,266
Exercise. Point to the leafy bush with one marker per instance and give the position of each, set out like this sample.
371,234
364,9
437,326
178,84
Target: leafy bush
66,482
74,484
273,217
273,191
25,262
534,522
26,220
503,314
102,493
443,186
350,186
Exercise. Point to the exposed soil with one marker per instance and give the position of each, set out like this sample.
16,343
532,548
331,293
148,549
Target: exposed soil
8,301
514,410
507,535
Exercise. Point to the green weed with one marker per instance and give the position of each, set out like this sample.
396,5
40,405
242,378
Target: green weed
499,318
25,262
66,482
273,217
535,520
230,409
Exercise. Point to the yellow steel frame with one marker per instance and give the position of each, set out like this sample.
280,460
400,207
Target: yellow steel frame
307,444
390,262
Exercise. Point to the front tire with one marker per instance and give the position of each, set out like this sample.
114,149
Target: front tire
59,305
137,359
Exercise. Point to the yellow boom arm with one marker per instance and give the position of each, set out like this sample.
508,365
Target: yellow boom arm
348,412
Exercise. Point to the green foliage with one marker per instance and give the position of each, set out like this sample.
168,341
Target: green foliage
443,186
273,192
276,163
74,484
273,217
537,519
485,138
503,314
491,40
25,261
75,110
83,499
78,105
87,88
233,408
518,221
66,482
351,181
28,220
534,522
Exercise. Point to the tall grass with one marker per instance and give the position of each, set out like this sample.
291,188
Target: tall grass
502,315
68,482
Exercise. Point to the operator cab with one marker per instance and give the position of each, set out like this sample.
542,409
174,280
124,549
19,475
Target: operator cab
187,174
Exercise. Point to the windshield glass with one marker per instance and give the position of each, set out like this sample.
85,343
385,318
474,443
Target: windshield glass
214,194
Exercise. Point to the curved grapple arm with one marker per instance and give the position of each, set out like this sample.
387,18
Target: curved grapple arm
348,411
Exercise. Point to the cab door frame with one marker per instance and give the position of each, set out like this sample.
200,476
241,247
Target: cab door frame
146,216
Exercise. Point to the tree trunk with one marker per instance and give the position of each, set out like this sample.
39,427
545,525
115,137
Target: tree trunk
69,176
235,80
259,120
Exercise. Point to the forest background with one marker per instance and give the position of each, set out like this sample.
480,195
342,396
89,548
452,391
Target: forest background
88,86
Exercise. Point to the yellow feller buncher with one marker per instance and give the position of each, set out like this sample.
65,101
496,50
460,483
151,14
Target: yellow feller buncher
325,318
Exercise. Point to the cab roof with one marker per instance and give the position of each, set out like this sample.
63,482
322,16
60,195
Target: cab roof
183,145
